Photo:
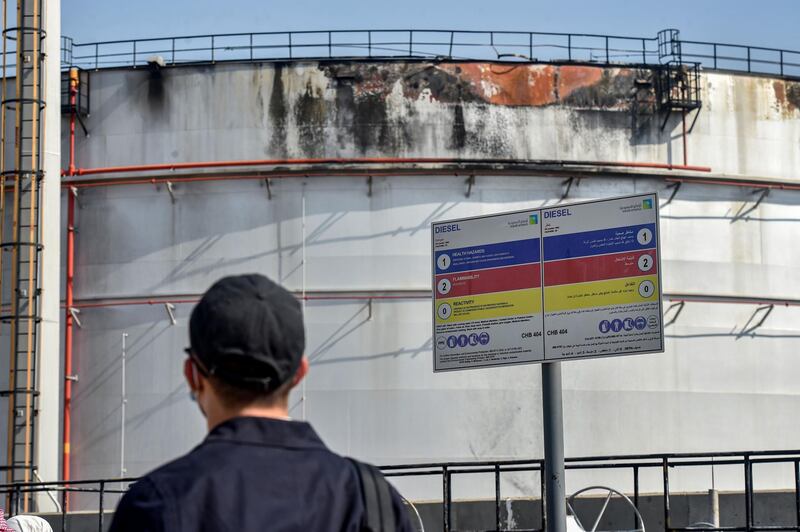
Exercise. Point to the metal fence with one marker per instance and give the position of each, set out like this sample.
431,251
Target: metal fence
635,465
368,44
511,46
740,58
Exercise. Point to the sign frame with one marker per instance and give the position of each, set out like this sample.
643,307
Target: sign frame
542,286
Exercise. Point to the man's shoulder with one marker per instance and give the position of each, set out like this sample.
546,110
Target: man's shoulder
167,480
141,508
183,466
149,499
159,497
217,459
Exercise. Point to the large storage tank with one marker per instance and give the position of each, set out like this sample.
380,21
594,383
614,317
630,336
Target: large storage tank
367,154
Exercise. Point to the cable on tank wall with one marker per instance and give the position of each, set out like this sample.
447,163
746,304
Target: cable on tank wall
123,405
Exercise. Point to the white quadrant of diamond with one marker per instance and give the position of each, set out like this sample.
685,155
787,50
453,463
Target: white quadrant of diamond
444,286
644,236
646,288
645,263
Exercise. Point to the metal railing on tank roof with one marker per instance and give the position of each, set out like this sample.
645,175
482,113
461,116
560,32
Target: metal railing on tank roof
664,465
741,58
409,44
368,44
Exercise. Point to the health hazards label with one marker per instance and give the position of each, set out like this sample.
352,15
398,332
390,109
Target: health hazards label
573,281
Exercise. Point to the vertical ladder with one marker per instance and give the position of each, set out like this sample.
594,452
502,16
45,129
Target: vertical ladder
678,81
23,240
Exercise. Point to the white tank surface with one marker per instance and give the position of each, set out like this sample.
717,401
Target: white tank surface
351,237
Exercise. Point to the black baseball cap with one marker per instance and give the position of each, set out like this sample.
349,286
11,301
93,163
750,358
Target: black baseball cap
248,332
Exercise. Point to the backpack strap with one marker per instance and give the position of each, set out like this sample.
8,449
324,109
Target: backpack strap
377,498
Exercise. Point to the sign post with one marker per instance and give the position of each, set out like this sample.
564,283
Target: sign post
553,420
569,282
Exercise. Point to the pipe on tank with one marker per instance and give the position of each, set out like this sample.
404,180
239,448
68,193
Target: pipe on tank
68,318
106,182
685,149
73,98
408,295
360,160
735,183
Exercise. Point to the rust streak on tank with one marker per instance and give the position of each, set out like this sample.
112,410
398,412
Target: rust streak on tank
508,85
571,78
787,96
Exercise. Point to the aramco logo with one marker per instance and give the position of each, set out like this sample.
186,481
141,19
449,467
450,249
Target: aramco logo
533,219
647,203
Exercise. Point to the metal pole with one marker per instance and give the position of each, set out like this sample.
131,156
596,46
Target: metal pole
797,490
636,495
122,420
305,299
530,46
748,491
445,499
553,418
665,474
497,496
64,508
101,521
541,492
685,154
713,507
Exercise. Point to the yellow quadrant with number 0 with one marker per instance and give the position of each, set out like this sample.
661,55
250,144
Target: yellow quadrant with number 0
487,306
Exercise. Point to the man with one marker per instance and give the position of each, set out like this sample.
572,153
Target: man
257,470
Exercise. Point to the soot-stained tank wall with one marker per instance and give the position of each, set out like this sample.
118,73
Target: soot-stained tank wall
468,110
371,392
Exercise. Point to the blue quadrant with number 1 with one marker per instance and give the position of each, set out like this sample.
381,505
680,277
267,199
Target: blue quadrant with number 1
488,256
598,242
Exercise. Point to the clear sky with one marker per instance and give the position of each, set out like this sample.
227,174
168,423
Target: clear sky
772,23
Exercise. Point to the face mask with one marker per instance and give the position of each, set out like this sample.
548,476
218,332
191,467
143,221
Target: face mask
193,397
193,394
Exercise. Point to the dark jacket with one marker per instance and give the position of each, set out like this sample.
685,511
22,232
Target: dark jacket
251,475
